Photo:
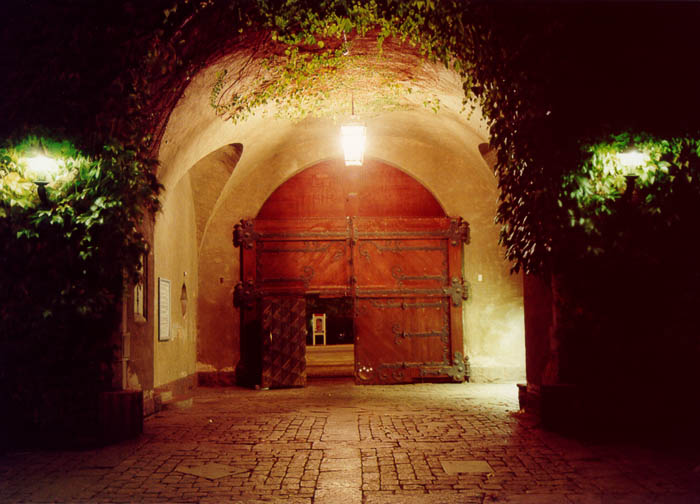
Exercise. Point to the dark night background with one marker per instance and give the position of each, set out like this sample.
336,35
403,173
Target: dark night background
606,64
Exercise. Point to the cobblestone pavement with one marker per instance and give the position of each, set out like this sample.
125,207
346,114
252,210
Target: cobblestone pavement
335,442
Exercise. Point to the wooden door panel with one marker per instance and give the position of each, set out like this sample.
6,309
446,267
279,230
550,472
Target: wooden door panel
300,229
402,340
401,227
314,263
408,324
283,338
401,264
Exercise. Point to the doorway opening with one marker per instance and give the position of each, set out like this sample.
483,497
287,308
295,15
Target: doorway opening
330,349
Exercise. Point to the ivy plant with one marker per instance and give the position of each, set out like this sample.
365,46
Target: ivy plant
64,263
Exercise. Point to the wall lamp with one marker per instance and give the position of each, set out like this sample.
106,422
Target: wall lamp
632,161
43,167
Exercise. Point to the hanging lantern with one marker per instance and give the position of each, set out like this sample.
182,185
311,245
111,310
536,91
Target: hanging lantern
353,136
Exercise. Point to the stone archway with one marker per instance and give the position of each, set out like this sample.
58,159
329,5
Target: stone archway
216,173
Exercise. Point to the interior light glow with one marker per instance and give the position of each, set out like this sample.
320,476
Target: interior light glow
353,137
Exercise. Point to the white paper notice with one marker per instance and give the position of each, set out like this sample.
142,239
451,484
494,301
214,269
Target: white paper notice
163,309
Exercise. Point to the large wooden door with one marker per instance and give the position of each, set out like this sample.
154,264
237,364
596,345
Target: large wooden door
404,276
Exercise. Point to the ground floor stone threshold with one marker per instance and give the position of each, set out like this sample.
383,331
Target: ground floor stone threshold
336,442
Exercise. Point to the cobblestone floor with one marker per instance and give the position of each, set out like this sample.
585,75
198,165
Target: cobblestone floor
334,442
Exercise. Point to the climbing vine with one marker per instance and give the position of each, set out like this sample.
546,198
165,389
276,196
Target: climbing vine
316,58
66,257
657,186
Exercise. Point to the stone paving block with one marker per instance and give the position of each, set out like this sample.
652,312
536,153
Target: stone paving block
452,467
338,495
414,499
341,464
528,499
334,450
340,479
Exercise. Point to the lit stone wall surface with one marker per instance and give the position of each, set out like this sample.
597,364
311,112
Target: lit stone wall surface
175,258
216,173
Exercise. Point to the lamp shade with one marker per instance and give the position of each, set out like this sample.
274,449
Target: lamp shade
42,167
353,136
632,160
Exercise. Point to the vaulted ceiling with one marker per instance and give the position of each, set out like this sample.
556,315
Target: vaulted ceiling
413,109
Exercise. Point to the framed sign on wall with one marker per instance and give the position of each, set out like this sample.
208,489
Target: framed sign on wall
163,309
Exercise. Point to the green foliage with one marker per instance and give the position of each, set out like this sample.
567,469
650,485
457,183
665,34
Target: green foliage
605,202
542,80
628,271
547,88
64,265
522,63
311,58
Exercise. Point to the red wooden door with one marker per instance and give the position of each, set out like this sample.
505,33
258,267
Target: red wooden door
281,262
408,291
310,252
403,274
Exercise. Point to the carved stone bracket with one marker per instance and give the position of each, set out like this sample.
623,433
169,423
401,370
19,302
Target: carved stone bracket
244,234
245,295
457,291
458,231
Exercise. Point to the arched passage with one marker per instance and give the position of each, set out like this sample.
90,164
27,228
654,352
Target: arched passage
218,189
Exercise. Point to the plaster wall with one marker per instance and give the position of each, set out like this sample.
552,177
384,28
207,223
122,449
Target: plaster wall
138,343
175,258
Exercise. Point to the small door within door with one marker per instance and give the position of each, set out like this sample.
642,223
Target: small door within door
283,338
